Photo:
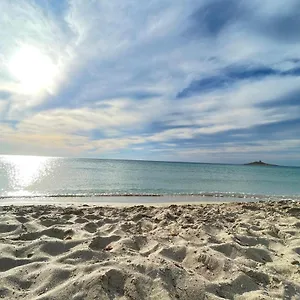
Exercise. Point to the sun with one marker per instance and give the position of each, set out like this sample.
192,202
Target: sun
32,69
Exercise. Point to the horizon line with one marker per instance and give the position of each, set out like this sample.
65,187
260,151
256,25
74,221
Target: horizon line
147,160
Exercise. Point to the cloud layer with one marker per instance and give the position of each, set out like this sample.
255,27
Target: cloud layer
206,80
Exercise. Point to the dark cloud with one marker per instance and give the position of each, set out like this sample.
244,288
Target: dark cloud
205,85
293,72
231,75
244,72
276,128
291,99
282,27
253,136
215,16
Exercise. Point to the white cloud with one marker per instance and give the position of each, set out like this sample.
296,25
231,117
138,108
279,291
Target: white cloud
111,54
110,115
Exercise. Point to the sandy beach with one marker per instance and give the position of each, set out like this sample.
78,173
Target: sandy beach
208,251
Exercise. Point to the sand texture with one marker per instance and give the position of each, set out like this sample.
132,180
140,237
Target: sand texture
194,252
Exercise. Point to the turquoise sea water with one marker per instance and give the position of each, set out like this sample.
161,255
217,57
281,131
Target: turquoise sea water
29,177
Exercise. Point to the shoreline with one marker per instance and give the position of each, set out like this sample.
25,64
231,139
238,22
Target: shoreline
190,251
147,200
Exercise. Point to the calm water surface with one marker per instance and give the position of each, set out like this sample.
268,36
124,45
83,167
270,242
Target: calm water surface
30,176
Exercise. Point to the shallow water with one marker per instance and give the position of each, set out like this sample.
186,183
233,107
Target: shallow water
69,180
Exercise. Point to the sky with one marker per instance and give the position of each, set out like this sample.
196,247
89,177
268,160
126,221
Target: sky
176,80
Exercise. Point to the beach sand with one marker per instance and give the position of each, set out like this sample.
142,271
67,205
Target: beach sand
194,252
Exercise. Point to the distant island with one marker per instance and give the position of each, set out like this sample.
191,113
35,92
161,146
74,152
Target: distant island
259,163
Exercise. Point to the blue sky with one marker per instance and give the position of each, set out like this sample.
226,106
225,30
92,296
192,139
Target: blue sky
187,80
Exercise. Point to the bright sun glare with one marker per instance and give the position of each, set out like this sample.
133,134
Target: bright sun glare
34,70
25,171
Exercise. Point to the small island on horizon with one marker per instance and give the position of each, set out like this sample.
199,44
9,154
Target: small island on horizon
259,163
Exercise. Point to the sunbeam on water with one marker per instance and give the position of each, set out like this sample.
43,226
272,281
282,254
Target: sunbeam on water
46,177
24,171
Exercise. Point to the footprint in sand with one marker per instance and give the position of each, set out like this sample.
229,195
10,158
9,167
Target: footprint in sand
99,242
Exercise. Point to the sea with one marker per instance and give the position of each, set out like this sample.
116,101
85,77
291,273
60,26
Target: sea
54,180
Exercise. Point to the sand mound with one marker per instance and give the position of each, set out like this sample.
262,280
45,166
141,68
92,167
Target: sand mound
225,251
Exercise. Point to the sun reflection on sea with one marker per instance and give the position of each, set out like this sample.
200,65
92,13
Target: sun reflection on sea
24,171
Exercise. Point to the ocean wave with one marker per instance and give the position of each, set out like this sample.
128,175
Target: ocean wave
120,194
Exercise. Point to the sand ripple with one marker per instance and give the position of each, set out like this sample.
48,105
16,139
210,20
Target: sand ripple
225,251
